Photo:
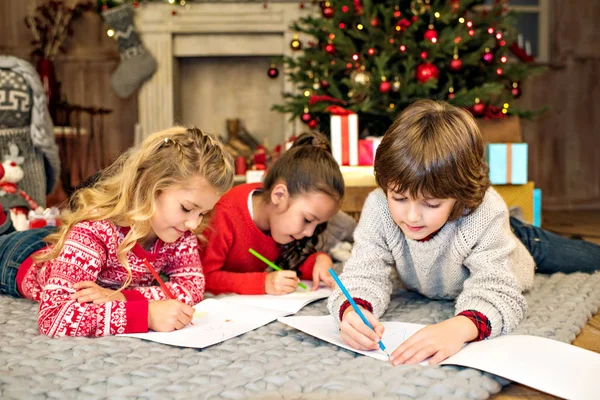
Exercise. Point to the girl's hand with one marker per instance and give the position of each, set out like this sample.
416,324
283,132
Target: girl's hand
321,272
356,334
169,315
281,282
438,341
91,292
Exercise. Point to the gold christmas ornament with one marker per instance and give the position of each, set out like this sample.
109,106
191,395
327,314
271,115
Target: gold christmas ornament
360,78
295,44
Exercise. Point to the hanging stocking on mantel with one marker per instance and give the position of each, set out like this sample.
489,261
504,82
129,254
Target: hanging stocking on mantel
137,64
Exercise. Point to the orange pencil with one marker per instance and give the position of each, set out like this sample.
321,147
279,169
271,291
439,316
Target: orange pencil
161,283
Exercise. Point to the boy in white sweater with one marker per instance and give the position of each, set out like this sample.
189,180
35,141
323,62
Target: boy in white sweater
448,234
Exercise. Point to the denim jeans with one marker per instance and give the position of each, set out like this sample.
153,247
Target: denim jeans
15,247
554,253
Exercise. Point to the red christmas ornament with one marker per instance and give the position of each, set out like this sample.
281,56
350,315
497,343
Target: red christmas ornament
385,87
404,23
478,109
456,64
371,51
516,92
312,124
328,12
306,117
426,71
430,34
324,84
273,73
375,22
330,48
488,57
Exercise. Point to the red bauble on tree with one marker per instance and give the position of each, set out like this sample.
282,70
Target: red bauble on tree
375,22
273,72
456,64
426,72
328,12
478,109
330,48
312,124
385,87
431,35
306,117
324,84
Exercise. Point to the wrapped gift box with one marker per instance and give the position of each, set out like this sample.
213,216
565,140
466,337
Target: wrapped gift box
344,139
518,196
367,148
537,207
506,130
508,163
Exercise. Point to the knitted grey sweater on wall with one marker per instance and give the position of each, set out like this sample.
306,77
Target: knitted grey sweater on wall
476,260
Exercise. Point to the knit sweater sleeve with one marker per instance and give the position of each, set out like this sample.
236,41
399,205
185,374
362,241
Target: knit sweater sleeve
220,235
366,274
82,257
186,279
492,288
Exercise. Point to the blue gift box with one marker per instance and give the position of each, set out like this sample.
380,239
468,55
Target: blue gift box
508,163
537,207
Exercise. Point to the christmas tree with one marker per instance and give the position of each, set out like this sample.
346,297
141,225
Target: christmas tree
376,57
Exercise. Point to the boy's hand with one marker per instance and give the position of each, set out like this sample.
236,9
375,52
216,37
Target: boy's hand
169,315
321,272
281,282
438,341
91,292
356,334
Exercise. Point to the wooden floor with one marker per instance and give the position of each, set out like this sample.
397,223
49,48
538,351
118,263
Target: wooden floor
586,225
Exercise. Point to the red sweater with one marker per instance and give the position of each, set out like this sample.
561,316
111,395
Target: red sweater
90,254
228,265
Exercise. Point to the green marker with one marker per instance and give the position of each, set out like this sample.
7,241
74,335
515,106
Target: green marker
271,264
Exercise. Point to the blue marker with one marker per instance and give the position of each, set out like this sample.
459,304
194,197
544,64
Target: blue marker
353,304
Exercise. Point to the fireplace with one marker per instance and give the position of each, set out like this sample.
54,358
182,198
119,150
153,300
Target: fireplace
212,65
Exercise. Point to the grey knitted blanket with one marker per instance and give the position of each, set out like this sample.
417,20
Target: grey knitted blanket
272,362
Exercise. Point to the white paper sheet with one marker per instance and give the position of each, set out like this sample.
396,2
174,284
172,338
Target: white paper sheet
214,322
326,328
288,303
547,365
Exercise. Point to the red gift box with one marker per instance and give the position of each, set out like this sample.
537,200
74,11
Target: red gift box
367,148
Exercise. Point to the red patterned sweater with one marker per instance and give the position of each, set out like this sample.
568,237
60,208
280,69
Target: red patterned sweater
90,254
228,265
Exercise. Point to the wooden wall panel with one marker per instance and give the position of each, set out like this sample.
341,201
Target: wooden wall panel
564,143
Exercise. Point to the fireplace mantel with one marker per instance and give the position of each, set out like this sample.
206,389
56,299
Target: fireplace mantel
207,30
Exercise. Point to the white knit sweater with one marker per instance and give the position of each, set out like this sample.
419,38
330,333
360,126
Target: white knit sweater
476,260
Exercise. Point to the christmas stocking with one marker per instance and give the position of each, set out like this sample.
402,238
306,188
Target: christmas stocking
137,64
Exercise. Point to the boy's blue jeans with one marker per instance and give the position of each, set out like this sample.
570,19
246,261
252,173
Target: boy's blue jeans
554,253
15,247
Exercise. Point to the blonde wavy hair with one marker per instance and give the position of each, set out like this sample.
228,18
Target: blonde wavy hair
434,149
126,192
